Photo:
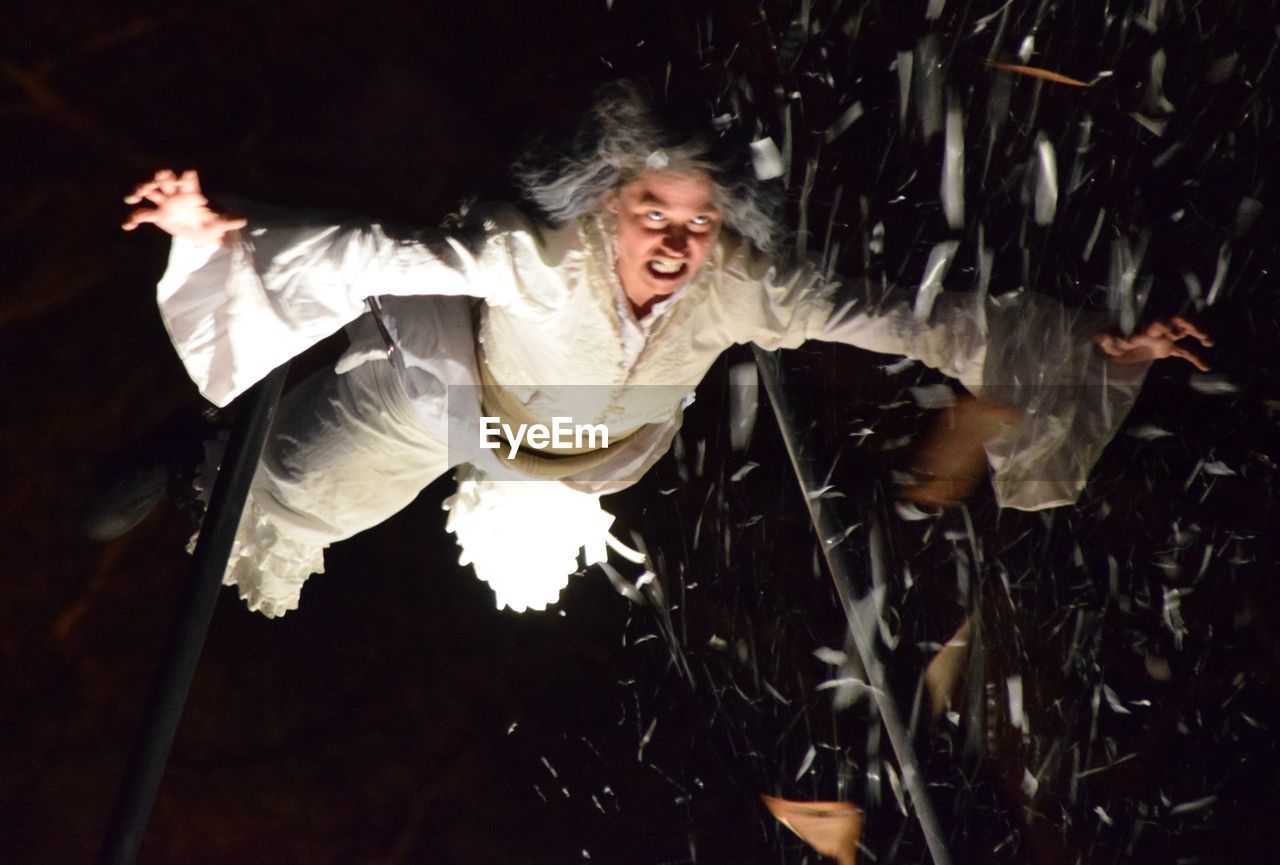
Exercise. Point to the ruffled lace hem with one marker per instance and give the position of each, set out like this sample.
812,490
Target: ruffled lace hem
267,567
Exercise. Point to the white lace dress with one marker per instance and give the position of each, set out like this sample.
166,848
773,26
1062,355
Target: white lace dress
538,312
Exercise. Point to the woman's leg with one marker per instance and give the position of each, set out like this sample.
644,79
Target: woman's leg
345,453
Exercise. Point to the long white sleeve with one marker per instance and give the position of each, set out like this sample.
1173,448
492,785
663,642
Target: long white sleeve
236,312
1022,350
1025,351
951,339
776,307
1041,359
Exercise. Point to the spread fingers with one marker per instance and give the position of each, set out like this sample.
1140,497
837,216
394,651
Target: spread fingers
1190,357
1182,327
139,216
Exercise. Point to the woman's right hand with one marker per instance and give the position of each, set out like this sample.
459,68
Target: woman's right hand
178,208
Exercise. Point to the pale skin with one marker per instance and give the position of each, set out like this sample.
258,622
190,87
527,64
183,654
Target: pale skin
1158,340
180,209
667,228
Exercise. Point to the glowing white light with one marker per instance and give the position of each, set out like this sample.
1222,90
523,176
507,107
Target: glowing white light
523,537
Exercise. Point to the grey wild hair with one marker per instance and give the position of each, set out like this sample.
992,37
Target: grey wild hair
619,139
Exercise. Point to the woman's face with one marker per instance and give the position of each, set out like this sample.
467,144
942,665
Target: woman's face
666,228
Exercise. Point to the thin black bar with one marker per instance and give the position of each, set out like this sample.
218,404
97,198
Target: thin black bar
840,567
160,719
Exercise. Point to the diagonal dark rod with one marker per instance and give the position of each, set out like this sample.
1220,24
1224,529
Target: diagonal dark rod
172,684
838,563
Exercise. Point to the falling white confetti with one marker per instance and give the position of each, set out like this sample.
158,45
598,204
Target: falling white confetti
834,657
845,682
644,740
1214,385
1113,700
744,403
1121,298
1154,100
1190,807
1093,236
934,271
904,65
928,78
1016,715
1219,274
846,119
807,762
934,396
899,366
766,161
1046,198
1148,432
910,512
952,190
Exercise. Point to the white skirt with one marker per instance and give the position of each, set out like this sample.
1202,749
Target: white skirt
351,447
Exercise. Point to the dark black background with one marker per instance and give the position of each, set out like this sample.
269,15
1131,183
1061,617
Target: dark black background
396,717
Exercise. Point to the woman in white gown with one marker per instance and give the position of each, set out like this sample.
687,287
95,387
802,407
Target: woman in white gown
652,254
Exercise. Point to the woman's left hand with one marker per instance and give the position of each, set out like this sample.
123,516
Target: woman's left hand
1158,340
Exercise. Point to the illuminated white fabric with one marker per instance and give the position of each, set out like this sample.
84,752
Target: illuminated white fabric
550,318
523,537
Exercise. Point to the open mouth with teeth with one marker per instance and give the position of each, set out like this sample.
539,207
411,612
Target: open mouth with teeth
666,268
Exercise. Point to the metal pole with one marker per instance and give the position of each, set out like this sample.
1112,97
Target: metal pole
838,563
172,684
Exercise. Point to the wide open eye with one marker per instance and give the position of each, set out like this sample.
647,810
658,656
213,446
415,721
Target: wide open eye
701,219
655,216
